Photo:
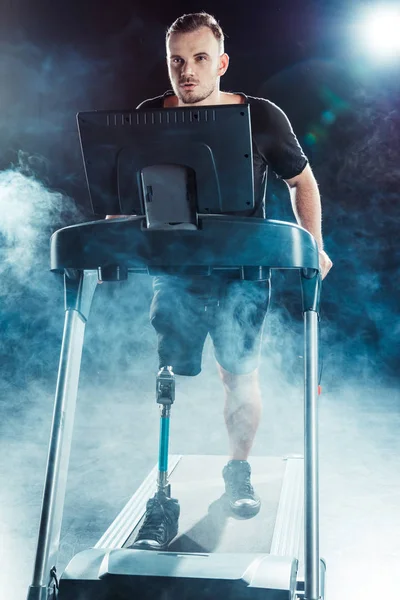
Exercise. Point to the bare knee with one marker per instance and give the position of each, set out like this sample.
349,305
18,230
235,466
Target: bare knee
235,381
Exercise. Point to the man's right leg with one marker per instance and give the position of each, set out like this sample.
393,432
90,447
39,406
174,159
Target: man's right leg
160,524
178,318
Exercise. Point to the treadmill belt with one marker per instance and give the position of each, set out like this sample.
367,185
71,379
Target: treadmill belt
206,522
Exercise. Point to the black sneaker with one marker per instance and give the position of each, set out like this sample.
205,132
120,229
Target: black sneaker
243,500
160,525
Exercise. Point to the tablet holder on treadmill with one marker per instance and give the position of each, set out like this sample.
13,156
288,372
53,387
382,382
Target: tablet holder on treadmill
140,162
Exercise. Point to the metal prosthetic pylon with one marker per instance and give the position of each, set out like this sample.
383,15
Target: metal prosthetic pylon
165,390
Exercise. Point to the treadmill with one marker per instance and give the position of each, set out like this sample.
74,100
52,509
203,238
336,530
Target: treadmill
182,173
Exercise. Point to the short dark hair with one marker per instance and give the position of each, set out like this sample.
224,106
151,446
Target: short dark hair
194,21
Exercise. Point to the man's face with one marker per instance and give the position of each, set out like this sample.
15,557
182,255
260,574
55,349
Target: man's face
195,65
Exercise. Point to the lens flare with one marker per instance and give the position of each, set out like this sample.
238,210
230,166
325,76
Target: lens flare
381,31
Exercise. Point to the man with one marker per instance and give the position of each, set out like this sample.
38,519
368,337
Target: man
184,311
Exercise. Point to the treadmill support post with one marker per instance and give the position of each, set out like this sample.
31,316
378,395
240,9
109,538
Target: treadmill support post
311,287
79,290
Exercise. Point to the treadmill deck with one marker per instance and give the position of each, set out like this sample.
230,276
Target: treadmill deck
207,524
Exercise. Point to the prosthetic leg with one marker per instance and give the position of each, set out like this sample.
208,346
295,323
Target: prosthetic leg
160,524
165,389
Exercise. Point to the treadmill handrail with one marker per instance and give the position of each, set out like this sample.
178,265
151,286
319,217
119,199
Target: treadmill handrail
220,241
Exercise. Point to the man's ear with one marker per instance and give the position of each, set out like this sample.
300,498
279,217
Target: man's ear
223,64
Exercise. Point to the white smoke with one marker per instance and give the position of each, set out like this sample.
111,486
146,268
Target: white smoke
29,212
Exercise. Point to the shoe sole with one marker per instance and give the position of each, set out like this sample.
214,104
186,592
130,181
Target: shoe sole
143,546
158,548
245,510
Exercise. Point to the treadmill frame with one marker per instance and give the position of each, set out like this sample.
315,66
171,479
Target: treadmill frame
79,289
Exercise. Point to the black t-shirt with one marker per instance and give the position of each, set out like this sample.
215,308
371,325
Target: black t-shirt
274,144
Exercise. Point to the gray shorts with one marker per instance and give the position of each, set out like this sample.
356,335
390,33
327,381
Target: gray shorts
183,311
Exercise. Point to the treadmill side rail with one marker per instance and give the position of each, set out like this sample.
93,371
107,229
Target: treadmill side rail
289,524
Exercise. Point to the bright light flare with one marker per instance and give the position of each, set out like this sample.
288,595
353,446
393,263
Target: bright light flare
381,31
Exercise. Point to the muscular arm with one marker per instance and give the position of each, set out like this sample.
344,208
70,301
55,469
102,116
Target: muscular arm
306,204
